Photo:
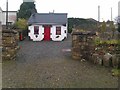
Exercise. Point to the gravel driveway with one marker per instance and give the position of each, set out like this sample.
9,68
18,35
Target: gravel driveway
49,65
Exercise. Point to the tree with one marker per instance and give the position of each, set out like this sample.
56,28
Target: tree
112,27
103,28
119,24
117,19
118,27
26,9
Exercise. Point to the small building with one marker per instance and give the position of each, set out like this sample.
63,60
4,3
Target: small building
48,26
12,17
0,15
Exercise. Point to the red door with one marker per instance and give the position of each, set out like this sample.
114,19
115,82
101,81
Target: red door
47,33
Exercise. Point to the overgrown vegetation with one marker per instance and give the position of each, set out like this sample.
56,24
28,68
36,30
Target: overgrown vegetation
99,41
117,19
103,28
116,72
80,23
21,24
112,27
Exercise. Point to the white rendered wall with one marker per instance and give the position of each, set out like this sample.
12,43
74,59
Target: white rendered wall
62,36
53,35
33,37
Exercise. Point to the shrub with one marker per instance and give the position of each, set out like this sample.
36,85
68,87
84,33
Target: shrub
116,72
98,41
21,24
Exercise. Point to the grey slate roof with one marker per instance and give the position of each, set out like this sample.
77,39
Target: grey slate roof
48,18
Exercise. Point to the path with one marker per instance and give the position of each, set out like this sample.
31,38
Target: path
47,65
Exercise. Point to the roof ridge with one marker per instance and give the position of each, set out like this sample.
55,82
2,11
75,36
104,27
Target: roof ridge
50,13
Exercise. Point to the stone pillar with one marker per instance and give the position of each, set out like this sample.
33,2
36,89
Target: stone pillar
9,44
76,47
83,45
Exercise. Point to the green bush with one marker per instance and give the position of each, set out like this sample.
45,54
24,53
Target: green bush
21,24
112,41
98,41
116,72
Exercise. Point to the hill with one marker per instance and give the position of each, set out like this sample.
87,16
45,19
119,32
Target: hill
81,23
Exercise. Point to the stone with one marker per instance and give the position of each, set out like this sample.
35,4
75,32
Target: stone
115,60
107,59
97,59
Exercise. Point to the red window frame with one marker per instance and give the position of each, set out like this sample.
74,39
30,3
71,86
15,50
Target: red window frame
36,29
58,30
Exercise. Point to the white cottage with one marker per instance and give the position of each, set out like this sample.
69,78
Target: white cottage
48,26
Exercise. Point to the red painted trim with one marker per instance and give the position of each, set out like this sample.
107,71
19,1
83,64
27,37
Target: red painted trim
21,36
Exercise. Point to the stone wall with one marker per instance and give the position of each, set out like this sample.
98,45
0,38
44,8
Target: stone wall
106,55
84,48
9,44
0,56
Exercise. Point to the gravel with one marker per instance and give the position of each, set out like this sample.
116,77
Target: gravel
49,64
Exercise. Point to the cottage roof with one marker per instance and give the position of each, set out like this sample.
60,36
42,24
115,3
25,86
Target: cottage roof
48,18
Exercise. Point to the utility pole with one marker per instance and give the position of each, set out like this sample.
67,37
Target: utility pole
111,13
118,8
98,13
98,18
7,14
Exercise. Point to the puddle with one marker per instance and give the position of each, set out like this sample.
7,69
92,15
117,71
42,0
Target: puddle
66,50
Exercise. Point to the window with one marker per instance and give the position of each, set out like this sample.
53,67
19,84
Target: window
36,29
58,30
65,31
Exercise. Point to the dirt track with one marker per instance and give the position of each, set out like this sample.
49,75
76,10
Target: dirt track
48,65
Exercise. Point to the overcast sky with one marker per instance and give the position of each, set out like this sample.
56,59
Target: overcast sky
74,8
